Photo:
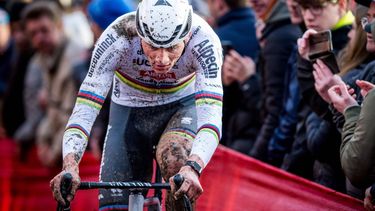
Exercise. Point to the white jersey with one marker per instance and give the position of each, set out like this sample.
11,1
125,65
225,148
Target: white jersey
118,58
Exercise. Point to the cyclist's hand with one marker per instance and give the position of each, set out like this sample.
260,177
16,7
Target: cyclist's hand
191,185
70,166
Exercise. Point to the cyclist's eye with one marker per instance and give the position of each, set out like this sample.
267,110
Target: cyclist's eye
173,48
153,47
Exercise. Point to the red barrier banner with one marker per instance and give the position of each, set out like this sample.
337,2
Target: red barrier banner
231,181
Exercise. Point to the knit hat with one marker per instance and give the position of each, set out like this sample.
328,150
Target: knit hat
104,12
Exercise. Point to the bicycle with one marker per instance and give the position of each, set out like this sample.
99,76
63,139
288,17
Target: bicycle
136,199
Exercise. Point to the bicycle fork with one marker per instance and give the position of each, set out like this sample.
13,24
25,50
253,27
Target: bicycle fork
137,202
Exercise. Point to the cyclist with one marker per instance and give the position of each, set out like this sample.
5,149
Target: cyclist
164,63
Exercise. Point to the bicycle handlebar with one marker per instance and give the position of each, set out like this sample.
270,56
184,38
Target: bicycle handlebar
66,185
123,185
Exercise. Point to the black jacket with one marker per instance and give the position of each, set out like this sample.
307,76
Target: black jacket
279,36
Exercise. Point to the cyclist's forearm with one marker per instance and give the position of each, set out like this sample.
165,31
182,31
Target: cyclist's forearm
70,162
74,143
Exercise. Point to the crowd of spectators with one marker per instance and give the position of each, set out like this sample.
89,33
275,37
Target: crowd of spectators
309,116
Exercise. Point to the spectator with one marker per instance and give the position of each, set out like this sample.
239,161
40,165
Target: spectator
235,25
6,51
278,39
283,137
319,16
55,56
13,111
357,139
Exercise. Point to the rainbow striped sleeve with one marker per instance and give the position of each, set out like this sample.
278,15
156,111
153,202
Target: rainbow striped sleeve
210,98
90,99
76,128
211,129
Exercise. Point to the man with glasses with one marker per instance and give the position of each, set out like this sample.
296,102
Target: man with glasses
318,15
321,15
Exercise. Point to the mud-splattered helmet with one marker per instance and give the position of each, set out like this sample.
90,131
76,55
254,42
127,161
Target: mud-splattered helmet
164,23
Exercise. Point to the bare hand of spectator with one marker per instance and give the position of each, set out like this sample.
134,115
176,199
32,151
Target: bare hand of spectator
227,78
237,67
324,79
303,43
365,87
341,97
368,200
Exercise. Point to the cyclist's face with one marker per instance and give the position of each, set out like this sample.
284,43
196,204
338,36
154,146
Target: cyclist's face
163,59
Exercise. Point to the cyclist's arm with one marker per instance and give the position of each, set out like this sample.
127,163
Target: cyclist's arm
91,97
208,98
207,61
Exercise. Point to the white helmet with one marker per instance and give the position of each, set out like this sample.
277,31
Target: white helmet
163,23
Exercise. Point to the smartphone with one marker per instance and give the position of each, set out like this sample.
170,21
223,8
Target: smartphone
227,46
320,45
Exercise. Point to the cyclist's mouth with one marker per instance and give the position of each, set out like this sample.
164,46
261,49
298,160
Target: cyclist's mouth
161,68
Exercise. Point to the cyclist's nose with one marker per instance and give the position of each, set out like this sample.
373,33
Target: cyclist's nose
162,56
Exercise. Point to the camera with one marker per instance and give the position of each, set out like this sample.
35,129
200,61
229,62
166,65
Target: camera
320,45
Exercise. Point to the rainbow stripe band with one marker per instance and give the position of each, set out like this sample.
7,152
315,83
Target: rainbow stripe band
208,101
90,99
212,129
164,88
210,95
79,129
186,133
211,98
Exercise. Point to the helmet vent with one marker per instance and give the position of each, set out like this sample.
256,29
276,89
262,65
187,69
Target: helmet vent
162,3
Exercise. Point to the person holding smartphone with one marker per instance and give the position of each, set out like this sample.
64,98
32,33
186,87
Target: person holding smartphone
314,136
319,16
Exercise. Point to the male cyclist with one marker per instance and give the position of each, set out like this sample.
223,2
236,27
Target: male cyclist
164,63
